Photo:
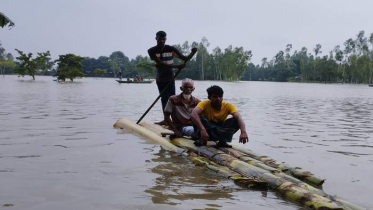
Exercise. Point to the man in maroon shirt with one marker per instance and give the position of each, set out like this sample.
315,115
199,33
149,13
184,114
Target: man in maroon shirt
179,108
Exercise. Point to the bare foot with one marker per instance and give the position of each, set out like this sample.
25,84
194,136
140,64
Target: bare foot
161,123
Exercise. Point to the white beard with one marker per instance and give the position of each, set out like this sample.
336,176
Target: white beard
187,97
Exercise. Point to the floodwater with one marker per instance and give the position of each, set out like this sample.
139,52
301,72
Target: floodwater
58,149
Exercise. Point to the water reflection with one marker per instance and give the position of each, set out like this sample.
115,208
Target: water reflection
180,180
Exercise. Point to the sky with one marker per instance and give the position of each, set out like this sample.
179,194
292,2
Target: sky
93,28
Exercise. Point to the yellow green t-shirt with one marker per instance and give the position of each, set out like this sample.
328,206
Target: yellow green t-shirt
213,115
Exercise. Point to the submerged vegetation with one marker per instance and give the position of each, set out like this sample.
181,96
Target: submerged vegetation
69,67
30,66
351,62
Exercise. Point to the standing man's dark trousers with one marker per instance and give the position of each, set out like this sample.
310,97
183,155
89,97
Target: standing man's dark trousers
169,92
221,131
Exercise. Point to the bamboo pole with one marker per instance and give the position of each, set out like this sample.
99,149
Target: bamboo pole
304,194
291,189
158,129
285,176
297,172
145,133
286,168
249,182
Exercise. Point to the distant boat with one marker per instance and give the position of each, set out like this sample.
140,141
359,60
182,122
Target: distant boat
125,81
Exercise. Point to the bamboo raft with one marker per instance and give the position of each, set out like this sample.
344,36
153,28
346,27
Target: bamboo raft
246,168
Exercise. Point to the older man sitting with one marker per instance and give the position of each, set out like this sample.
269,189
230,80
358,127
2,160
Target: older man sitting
179,108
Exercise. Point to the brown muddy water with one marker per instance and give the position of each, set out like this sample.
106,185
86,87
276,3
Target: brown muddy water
58,149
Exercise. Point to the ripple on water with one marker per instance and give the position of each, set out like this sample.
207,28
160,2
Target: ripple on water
22,156
74,139
349,153
354,145
50,131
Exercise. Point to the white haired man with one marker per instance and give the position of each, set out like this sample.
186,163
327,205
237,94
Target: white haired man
179,108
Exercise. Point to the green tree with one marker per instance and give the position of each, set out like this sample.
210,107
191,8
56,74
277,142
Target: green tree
353,68
234,63
348,51
339,58
364,66
99,72
145,68
69,67
281,72
2,53
147,72
43,61
217,62
297,64
361,43
317,51
185,48
201,56
370,40
118,61
7,64
31,66
6,61
251,73
90,64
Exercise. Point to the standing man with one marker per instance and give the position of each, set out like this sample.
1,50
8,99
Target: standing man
163,56
211,123
180,107
120,74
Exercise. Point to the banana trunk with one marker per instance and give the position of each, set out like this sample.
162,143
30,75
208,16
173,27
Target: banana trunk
252,183
297,172
289,187
132,127
284,187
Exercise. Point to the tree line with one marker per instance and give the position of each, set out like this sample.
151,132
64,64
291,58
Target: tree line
350,63
68,66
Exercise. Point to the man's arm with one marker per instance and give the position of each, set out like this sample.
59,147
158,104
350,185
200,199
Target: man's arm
167,116
161,63
241,124
187,58
195,119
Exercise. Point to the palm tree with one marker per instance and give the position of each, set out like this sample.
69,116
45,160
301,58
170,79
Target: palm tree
4,20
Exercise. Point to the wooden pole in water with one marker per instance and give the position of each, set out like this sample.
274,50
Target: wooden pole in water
160,95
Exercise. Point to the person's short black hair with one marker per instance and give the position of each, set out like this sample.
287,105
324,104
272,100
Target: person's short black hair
161,34
215,90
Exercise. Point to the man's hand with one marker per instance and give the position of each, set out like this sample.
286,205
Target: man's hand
243,137
177,133
190,56
204,137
